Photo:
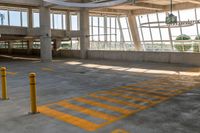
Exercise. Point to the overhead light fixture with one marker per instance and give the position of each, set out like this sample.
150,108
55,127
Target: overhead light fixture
171,18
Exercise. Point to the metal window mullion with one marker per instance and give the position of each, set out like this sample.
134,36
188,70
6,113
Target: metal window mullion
8,12
53,23
120,28
98,34
92,28
62,21
179,16
159,30
21,18
121,31
150,30
110,33
197,27
105,28
170,37
141,31
130,34
98,27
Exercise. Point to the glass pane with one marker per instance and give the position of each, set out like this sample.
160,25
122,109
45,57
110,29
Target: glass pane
175,32
74,22
155,33
101,21
15,18
123,23
51,21
146,34
4,17
57,21
64,21
36,20
165,33
24,19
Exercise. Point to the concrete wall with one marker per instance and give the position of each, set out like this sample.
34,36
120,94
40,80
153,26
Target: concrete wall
36,52
164,57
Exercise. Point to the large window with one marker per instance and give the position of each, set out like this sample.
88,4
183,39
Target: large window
14,17
110,33
155,37
74,21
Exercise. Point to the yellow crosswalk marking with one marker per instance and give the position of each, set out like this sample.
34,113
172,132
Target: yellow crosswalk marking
142,94
12,73
87,111
113,100
149,91
151,95
87,125
124,95
119,131
109,107
47,69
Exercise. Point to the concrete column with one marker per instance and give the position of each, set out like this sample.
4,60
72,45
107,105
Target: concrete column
10,47
134,31
45,32
30,18
58,44
68,21
84,31
30,46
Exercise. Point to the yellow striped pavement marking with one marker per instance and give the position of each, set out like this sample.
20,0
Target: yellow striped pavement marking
12,73
119,131
124,95
98,104
76,121
141,94
114,100
87,111
48,69
149,91
121,92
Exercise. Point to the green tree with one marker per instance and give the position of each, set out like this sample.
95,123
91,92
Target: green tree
182,46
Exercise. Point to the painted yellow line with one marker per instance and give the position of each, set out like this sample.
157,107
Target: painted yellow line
119,131
12,73
142,94
98,104
87,111
114,100
149,91
76,121
47,69
124,95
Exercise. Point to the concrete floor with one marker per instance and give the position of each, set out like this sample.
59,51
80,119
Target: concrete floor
69,80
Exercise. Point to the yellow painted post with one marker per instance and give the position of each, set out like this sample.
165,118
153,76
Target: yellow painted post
33,100
4,83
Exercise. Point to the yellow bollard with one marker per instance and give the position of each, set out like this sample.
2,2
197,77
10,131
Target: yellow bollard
33,100
4,83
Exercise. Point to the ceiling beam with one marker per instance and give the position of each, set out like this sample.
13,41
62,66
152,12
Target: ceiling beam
149,6
180,6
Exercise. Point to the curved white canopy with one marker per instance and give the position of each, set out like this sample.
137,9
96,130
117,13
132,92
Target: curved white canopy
86,5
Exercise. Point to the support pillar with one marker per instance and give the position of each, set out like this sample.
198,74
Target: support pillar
10,47
84,30
45,38
30,20
30,46
134,31
58,44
